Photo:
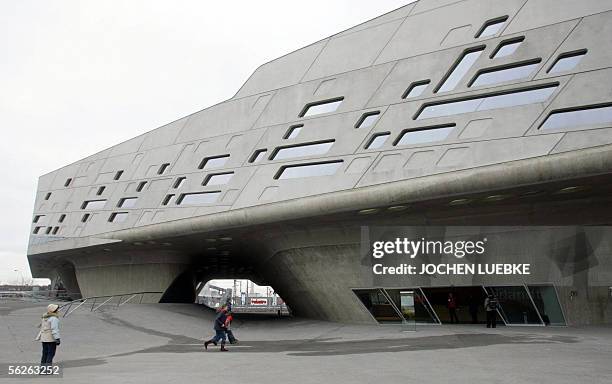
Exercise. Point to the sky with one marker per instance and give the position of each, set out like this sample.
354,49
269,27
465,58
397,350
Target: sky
79,76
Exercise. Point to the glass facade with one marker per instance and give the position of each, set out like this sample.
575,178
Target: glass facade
578,117
198,198
326,168
425,135
321,107
460,69
495,76
301,150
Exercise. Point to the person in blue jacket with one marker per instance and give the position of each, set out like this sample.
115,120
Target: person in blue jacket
219,327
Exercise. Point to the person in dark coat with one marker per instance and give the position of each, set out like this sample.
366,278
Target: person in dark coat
491,308
451,303
219,327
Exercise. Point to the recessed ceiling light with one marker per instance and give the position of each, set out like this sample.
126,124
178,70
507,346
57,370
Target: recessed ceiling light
225,238
137,243
460,201
369,211
397,208
496,197
572,189
532,193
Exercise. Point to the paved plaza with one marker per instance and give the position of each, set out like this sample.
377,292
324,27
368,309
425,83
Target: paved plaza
151,343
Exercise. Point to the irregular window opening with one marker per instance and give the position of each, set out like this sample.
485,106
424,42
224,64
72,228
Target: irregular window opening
377,140
218,178
578,116
100,190
118,217
320,107
178,182
198,198
491,27
424,134
163,168
416,89
501,74
55,230
293,131
507,47
323,168
258,155
118,175
510,98
37,218
48,196
213,162
567,61
62,218
36,230
140,186
85,217
367,119
68,181
460,69
301,150
93,204
127,202
167,199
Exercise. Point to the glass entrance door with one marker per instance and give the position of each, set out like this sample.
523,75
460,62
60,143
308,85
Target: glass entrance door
515,305
547,302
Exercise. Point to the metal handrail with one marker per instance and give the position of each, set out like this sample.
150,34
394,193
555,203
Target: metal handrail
69,310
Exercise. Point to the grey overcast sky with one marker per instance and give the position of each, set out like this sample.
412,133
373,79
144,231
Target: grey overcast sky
79,76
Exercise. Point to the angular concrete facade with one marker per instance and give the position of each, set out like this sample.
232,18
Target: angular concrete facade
440,113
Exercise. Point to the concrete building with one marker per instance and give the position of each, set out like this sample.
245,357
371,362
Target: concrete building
439,114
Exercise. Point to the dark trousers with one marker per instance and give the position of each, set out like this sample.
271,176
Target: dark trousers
219,336
230,336
48,351
453,315
491,319
474,315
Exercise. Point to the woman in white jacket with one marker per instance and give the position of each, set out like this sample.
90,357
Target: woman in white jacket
49,334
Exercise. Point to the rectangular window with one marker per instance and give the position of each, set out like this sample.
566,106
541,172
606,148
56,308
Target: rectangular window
36,230
461,67
85,218
93,204
505,73
577,117
258,155
48,196
100,190
367,119
37,218
218,178
324,168
198,198
55,230
415,89
178,182
127,202
425,134
62,218
163,168
118,175
485,102
213,162
567,61
491,27
167,199
68,181
301,150
507,47
293,131
320,107
140,186
118,217
377,140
